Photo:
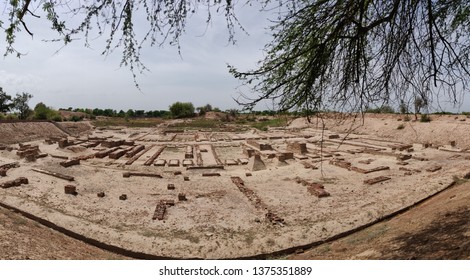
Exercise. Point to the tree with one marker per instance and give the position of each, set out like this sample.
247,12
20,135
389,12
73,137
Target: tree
5,102
204,109
324,53
182,110
20,103
41,111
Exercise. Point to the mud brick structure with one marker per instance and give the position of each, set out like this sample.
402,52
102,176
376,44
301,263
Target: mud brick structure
138,155
3,172
174,163
188,162
366,161
317,190
160,162
401,147
231,162
69,189
249,152
141,174
112,143
100,194
70,162
189,152
341,163
376,180
64,142
123,197
160,211
404,157
199,161
182,197
14,183
117,154
367,171
261,146
154,156
216,157
434,168
28,152
210,174
297,147
54,174
103,154
255,163
333,136
177,173
170,187
243,161
135,150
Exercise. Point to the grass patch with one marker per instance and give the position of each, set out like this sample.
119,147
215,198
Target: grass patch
266,123
197,123
425,118
144,122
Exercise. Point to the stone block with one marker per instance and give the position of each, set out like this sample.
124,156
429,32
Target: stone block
70,162
101,194
182,197
171,187
123,197
69,189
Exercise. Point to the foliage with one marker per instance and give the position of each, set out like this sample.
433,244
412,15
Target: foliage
400,126
425,118
385,109
346,55
42,112
266,123
20,103
143,122
204,109
182,110
420,103
5,102
198,123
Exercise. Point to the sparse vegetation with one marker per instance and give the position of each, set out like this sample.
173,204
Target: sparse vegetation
425,118
182,110
401,126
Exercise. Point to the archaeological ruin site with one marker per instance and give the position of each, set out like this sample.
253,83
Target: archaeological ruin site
165,192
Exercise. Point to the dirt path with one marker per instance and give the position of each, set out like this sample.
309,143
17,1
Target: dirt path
436,229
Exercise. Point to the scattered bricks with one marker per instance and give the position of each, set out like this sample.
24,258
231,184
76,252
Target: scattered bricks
182,197
403,157
100,194
173,163
69,189
274,218
135,150
420,158
168,202
141,174
210,174
159,162
410,150
434,168
128,143
333,136
296,147
402,163
42,155
317,190
171,187
61,157
117,154
70,162
249,174
380,168
123,197
452,144
300,157
160,211
260,145
376,180
188,162
14,183
186,178
401,147
177,173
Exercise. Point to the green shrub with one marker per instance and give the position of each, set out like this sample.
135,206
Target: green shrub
401,126
425,118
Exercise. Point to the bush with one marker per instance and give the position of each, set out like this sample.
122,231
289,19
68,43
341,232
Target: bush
401,126
2,116
76,118
407,118
425,118
182,110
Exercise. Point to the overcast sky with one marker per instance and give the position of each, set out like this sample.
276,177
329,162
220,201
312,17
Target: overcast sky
81,77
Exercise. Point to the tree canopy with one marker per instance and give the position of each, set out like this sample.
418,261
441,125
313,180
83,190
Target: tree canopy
336,54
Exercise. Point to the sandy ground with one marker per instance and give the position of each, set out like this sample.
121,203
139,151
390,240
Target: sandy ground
217,220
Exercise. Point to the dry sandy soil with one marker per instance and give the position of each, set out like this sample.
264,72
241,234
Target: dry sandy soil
218,220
